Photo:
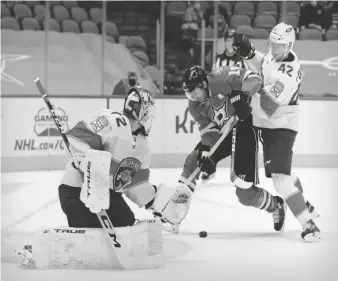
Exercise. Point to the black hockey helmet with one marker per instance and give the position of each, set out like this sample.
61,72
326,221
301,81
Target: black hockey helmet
229,33
194,77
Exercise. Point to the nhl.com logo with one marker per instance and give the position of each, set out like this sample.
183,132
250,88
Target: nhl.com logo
44,123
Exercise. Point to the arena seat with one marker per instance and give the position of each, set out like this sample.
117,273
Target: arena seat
30,24
110,39
79,14
267,8
246,30
54,3
60,13
123,39
39,11
142,57
260,33
5,12
96,14
136,42
10,4
88,26
9,23
32,3
69,25
332,34
292,8
265,21
21,11
310,34
70,4
237,20
227,5
293,20
111,30
53,24
244,8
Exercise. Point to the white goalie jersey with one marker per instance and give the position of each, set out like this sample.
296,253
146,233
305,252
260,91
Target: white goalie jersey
110,131
276,104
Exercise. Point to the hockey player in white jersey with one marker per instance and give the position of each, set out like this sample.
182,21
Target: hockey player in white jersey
275,112
117,143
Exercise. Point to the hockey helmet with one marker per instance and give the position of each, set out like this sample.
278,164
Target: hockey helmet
230,33
281,40
140,105
194,77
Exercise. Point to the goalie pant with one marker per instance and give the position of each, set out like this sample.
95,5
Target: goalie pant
78,215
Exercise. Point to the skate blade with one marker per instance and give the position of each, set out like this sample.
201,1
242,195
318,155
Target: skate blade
313,237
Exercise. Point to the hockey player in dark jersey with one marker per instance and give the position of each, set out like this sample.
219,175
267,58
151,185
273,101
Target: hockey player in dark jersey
228,58
213,99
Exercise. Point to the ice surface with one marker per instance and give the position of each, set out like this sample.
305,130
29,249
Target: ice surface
241,242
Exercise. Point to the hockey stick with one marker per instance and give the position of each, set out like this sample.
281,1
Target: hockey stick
226,130
233,177
103,217
230,125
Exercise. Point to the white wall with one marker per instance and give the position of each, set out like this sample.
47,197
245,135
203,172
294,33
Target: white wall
173,135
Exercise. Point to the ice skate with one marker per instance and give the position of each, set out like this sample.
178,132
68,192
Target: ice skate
311,232
314,214
279,214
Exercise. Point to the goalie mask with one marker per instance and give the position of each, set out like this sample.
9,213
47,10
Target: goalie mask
195,83
281,40
140,105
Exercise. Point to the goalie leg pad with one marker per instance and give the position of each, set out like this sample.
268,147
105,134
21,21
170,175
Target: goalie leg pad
88,248
95,189
172,203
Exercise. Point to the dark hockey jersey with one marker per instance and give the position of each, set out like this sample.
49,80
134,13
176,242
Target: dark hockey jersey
215,112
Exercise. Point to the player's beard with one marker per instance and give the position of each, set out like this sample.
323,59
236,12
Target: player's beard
198,94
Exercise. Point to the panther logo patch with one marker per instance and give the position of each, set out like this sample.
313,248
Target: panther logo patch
125,172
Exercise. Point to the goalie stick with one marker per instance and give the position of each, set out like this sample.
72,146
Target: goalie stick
125,260
231,124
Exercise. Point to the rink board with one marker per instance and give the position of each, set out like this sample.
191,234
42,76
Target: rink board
30,140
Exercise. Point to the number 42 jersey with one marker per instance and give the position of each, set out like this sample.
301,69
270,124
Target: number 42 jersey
215,112
276,105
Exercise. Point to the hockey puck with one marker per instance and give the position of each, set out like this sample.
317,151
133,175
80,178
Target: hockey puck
203,234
